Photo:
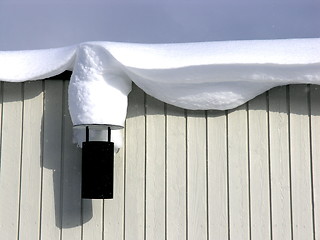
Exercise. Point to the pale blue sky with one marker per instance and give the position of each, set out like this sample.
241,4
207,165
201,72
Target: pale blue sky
27,24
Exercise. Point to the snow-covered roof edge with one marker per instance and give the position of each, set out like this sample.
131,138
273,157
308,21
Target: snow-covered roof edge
208,75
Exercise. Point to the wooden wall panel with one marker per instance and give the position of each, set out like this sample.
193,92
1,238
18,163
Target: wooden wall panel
113,217
52,155
31,162
176,209
239,205
300,156
92,229
135,167
259,168
71,213
155,169
218,183
280,177
315,157
197,175
11,151
248,173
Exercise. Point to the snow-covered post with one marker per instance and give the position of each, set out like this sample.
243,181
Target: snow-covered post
98,88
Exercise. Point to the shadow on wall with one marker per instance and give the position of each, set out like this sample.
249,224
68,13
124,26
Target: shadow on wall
66,166
57,179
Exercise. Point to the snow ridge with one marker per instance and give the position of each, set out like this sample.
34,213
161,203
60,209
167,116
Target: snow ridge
207,75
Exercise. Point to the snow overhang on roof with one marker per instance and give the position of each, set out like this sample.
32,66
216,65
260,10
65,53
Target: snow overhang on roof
206,75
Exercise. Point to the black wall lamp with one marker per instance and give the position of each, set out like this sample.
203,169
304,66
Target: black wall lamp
97,165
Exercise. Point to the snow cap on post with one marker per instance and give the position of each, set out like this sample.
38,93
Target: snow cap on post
98,88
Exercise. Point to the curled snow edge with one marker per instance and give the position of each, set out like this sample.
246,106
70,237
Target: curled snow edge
206,75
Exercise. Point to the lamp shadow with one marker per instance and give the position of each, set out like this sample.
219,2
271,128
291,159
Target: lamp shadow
63,158
58,157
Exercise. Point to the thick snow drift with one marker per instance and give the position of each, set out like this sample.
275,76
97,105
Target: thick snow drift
208,75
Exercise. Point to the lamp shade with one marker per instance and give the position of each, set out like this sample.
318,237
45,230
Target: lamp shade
97,168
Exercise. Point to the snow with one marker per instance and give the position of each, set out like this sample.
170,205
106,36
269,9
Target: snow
206,75
19,66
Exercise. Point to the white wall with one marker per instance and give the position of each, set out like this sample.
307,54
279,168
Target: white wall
252,171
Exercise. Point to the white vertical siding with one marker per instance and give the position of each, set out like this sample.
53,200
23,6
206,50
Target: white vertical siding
52,161
197,175
176,187
11,139
280,181
113,211
248,173
135,168
70,188
218,181
239,204
259,168
300,158
31,160
315,155
155,169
